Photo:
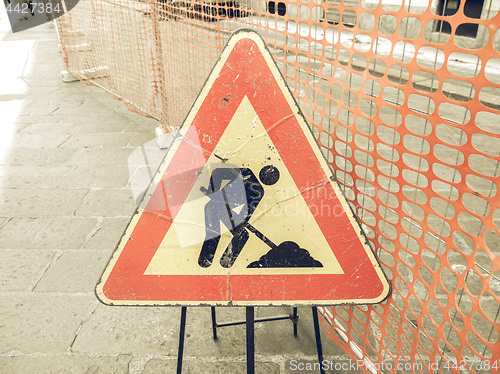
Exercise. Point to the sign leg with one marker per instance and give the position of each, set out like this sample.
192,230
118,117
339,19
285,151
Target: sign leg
182,331
317,333
294,320
214,323
250,340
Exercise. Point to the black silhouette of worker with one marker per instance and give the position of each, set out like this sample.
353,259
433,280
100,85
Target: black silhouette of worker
234,195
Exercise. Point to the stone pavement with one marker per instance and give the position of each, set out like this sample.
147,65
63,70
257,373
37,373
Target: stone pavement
71,161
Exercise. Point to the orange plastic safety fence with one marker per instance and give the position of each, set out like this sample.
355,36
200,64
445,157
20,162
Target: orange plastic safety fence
404,98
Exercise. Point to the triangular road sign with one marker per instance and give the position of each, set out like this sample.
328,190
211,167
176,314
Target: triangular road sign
244,210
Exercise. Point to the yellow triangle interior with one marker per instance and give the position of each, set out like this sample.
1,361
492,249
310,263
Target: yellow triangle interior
282,214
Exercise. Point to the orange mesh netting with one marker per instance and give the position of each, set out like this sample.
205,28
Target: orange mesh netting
404,98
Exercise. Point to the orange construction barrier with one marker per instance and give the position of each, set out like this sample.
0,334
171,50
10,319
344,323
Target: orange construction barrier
404,98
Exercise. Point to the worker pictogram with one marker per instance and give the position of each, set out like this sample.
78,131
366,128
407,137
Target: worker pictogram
233,205
244,209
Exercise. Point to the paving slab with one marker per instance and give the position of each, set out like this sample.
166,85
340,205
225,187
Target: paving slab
28,176
219,367
272,338
147,154
40,202
25,120
147,125
3,221
42,77
19,269
285,343
65,364
155,330
105,121
74,271
73,124
108,233
46,232
90,106
27,109
96,94
40,322
36,156
34,100
100,156
96,140
46,127
108,176
107,203
39,140
141,139
130,330
231,340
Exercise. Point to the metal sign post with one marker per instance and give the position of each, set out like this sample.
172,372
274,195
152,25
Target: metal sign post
250,324
250,333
